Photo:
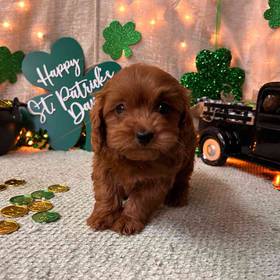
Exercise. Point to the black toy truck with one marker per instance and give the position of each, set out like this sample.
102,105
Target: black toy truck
241,131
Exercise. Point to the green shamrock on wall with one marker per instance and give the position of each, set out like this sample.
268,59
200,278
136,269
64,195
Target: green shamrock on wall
119,38
10,64
214,76
273,13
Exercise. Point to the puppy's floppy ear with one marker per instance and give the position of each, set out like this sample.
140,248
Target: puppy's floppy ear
187,133
98,133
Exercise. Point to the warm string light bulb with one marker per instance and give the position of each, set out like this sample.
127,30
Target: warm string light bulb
6,24
277,179
28,134
188,18
183,45
21,4
30,142
276,182
40,34
121,8
152,22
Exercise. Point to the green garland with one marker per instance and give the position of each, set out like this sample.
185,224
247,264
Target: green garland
38,140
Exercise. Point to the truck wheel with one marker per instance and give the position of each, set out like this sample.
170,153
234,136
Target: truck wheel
212,151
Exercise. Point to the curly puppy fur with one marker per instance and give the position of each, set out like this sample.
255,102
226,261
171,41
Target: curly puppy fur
144,142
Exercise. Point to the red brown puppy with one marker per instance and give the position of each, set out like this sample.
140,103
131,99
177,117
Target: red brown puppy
144,142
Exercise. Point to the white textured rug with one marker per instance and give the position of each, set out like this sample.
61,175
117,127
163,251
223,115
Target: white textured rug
230,230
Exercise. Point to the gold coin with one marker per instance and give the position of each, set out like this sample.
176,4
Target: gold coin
3,187
6,103
15,182
58,188
40,206
8,226
14,211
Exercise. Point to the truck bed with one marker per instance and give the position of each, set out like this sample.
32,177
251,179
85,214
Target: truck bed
239,113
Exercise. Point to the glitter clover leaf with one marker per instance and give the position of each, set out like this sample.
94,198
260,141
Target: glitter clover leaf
214,76
10,65
273,13
119,38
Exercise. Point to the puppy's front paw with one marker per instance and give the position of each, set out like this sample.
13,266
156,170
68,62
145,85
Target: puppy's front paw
127,225
102,221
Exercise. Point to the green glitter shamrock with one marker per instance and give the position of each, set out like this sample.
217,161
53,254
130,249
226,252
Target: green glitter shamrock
214,76
273,13
119,38
10,64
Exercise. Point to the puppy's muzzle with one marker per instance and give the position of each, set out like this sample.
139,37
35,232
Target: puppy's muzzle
144,137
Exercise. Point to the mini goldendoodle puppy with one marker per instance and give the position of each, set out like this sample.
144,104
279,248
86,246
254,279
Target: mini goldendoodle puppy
144,143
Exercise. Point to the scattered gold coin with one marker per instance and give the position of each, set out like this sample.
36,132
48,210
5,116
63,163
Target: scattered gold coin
8,226
6,103
15,182
14,211
58,188
40,206
3,187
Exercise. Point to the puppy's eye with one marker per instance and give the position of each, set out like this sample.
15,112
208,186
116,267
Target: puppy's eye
164,108
119,109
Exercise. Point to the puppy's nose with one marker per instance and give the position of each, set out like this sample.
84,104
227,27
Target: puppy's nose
144,137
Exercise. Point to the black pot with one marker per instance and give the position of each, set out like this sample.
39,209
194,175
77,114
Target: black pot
10,125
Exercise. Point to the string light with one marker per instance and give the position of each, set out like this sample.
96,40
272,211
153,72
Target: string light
28,134
188,18
6,24
30,142
121,8
276,182
31,138
152,22
183,45
184,12
40,34
21,4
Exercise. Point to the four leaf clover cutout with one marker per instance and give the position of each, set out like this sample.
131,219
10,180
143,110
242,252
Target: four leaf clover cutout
10,65
273,13
119,38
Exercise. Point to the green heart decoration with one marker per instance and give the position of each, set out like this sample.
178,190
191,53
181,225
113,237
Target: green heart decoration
65,108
